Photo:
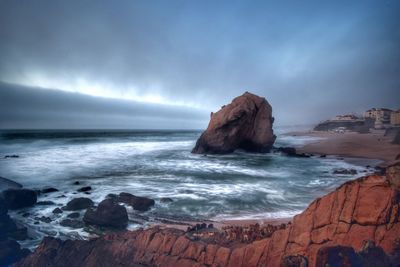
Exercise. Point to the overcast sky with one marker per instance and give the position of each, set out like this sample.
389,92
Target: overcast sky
173,62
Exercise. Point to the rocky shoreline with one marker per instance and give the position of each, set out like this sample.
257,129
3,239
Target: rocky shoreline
356,223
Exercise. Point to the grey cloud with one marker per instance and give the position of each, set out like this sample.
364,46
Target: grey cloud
310,59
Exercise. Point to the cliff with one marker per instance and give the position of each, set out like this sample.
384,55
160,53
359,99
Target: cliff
246,124
356,224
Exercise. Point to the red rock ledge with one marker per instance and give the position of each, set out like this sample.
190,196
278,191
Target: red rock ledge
355,224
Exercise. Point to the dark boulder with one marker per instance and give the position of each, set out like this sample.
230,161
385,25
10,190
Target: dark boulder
74,215
245,124
8,228
137,203
11,252
11,156
292,152
84,189
109,214
79,203
72,223
345,171
57,211
338,256
43,219
49,190
295,261
19,198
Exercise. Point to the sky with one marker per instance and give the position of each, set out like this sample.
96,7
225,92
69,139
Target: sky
168,64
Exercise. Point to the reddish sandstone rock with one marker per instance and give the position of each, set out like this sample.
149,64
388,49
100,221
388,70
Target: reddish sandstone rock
336,229
245,124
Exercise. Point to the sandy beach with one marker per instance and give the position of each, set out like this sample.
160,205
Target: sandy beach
351,144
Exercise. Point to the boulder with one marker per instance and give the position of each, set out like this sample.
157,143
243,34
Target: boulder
84,189
19,198
49,190
338,256
137,203
345,171
74,215
109,214
244,124
291,152
57,211
72,223
11,252
79,203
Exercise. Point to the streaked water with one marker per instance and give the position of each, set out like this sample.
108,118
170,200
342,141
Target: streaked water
159,164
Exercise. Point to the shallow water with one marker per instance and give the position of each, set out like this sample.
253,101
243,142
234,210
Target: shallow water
159,164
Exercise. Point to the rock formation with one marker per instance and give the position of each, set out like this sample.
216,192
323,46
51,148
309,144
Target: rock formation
355,224
245,124
107,214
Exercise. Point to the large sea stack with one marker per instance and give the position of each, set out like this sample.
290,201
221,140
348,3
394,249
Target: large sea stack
246,124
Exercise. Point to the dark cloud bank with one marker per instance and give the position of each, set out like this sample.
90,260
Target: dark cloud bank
310,59
36,108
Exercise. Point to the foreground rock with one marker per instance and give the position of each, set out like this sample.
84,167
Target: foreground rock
245,124
107,214
10,250
356,224
19,198
79,203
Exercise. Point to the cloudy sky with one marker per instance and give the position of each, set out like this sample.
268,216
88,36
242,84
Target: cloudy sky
168,64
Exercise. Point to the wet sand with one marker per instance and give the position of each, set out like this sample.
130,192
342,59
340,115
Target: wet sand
350,144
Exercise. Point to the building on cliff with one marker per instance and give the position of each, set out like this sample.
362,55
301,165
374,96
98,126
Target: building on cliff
381,116
395,118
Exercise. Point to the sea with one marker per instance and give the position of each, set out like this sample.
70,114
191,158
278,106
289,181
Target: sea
159,164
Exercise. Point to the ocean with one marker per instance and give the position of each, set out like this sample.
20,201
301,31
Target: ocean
158,164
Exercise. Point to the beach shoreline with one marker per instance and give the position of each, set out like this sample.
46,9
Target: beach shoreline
354,147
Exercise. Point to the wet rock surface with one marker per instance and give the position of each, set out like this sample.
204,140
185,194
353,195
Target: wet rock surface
108,214
79,203
19,198
245,124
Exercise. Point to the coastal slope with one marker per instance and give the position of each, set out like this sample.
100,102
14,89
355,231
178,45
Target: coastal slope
356,223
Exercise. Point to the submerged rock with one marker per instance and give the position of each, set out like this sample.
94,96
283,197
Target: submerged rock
245,124
109,214
72,223
292,152
49,190
74,215
84,189
57,211
79,203
19,198
345,171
